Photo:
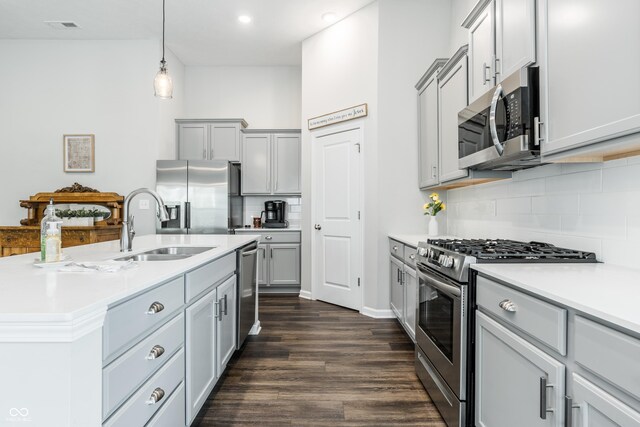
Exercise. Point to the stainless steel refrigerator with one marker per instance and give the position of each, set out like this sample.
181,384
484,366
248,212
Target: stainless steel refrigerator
202,196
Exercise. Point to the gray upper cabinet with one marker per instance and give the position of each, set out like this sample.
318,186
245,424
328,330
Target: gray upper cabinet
502,39
271,163
516,383
209,139
452,94
581,107
428,125
481,48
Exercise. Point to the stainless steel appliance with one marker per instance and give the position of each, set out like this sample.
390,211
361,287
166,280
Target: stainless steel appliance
247,290
202,196
445,313
501,129
274,211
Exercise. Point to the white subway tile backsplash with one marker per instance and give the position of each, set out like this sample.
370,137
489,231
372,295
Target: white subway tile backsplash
579,167
254,205
565,204
625,178
581,182
609,225
633,227
520,205
530,187
538,172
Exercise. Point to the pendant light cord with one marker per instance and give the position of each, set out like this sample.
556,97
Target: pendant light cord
163,17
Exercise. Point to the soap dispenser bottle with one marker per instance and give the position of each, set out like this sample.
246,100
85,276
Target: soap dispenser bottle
51,235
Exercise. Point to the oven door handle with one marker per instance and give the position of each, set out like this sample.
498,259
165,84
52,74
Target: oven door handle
492,120
442,286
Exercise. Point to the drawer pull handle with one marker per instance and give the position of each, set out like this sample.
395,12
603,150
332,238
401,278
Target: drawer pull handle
412,256
155,397
508,305
268,238
155,352
154,308
395,248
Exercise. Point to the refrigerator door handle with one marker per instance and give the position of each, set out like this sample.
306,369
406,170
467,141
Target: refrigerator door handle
187,214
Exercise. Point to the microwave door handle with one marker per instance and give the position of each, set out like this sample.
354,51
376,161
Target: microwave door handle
492,120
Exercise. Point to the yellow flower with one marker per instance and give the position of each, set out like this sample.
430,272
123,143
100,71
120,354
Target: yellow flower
434,196
426,206
444,207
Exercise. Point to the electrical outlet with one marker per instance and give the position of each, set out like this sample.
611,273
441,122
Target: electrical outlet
143,204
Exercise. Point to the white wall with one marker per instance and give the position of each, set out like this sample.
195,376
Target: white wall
458,34
410,38
592,207
340,70
266,97
100,87
376,56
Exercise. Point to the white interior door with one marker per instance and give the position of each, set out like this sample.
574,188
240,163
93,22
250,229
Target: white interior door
337,246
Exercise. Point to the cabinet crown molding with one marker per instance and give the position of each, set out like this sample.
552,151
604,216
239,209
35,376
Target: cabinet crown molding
433,68
250,131
243,122
475,12
451,63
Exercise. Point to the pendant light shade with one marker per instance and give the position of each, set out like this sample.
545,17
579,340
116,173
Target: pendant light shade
162,84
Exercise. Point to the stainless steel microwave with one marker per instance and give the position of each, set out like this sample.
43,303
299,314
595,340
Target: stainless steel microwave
500,130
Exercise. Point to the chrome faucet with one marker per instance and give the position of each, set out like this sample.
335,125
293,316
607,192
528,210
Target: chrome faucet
126,237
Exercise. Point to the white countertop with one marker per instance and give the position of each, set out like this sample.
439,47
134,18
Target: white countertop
604,291
413,239
265,230
40,298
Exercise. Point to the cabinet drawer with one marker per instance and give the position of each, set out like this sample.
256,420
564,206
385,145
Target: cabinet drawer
396,249
126,373
138,409
127,321
609,354
199,280
410,255
172,413
543,321
280,237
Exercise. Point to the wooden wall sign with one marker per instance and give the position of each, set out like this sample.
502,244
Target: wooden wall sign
338,117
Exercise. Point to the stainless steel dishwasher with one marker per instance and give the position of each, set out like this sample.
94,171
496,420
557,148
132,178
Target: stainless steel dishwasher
247,290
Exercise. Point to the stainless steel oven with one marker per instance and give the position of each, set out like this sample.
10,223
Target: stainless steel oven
441,335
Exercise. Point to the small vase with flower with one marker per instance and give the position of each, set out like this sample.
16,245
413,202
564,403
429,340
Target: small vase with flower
431,208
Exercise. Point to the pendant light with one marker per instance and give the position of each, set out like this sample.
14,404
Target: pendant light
162,84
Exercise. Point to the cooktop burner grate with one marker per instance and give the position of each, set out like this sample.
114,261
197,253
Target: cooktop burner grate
505,250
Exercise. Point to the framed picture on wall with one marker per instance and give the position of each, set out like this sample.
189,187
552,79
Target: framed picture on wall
79,153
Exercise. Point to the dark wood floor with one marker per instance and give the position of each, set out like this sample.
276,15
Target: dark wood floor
315,364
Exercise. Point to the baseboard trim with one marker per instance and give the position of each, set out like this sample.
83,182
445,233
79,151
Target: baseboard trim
377,314
256,328
305,294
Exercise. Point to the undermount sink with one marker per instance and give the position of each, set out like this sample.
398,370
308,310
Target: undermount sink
169,253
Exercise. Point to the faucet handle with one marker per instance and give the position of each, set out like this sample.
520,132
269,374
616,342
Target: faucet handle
130,222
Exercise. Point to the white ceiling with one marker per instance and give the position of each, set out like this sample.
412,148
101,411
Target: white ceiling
199,32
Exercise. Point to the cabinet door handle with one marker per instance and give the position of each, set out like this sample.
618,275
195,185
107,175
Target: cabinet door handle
154,308
264,253
485,68
434,171
216,310
537,124
271,252
156,396
226,312
568,414
204,153
404,278
155,352
508,305
543,398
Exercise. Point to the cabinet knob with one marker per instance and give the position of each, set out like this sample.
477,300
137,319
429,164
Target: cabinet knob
155,352
412,256
395,249
156,396
154,308
268,237
317,227
508,305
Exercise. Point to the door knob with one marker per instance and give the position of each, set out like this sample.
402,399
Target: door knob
318,227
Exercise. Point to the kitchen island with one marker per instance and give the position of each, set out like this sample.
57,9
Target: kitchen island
73,345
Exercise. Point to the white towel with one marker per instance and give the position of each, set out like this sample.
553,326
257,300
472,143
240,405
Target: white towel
103,267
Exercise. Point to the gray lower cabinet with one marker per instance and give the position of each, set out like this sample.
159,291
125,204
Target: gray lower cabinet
209,139
271,162
201,329
403,280
278,260
226,335
516,383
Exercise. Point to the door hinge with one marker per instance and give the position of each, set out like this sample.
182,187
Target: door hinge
358,145
358,282
358,214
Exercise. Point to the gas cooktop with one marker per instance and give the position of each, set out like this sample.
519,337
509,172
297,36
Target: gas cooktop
511,250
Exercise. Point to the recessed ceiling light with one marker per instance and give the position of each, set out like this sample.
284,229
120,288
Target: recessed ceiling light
330,17
245,19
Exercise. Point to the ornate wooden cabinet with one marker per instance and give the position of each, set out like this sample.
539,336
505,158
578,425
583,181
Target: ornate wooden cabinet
15,240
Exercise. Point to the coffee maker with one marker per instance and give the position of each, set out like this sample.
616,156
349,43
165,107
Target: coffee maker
274,214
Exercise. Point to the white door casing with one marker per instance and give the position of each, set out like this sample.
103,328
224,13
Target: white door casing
337,237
